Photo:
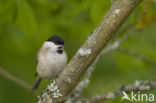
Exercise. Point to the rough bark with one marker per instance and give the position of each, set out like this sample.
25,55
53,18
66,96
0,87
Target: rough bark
114,18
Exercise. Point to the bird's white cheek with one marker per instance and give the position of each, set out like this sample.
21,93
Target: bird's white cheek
52,46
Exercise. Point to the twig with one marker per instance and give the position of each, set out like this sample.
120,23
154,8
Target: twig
16,80
140,86
137,55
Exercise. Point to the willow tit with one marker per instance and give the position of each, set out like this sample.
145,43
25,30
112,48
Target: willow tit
51,60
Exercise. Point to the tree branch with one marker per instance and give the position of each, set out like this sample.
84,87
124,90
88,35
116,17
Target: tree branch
88,52
76,94
137,86
137,55
16,80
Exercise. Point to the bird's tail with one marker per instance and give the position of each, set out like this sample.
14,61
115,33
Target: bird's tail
37,83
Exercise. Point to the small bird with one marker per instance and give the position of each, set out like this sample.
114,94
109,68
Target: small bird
51,60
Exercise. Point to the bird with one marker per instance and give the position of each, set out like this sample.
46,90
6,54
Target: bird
51,60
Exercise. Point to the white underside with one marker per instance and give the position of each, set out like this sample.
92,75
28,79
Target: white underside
51,64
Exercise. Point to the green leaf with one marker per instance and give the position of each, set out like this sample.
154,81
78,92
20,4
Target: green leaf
26,18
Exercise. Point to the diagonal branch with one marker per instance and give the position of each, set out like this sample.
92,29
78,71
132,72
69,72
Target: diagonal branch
138,86
16,80
115,17
137,55
110,47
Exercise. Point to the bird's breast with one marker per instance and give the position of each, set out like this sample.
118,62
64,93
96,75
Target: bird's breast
51,64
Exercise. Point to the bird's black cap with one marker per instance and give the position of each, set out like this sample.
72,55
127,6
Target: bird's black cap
56,39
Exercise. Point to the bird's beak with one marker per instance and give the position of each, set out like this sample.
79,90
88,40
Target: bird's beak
60,47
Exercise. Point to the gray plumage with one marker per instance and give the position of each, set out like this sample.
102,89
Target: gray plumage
52,60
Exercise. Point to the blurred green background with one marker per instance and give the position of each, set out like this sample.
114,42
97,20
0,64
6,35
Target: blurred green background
26,24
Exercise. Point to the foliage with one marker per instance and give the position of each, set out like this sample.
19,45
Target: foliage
26,24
